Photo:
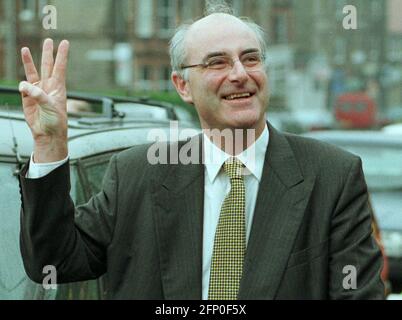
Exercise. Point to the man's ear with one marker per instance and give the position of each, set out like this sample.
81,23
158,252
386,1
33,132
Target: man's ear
182,87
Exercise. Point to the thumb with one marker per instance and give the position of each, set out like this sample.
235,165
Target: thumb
29,90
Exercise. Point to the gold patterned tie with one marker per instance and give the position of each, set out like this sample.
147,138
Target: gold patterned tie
230,238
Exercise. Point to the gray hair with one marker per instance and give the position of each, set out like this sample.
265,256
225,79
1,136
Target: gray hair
178,50
217,6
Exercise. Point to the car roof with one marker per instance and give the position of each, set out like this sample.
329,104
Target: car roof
115,123
85,140
355,137
107,106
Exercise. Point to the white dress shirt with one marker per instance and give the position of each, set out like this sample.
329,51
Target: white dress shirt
216,188
39,170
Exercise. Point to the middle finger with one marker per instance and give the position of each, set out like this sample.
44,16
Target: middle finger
47,59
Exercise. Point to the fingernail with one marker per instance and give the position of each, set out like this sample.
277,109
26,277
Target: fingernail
22,86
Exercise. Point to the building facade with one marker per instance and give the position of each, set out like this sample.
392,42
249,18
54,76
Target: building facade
124,44
394,57
2,40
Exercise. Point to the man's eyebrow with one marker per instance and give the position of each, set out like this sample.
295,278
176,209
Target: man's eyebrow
215,54
222,53
251,50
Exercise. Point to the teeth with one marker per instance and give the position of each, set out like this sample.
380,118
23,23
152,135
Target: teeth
238,95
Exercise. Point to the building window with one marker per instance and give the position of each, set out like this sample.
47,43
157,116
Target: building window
143,23
31,9
146,73
281,21
375,48
41,5
280,28
145,82
395,49
278,79
285,4
376,9
27,10
339,5
165,83
340,50
186,10
166,17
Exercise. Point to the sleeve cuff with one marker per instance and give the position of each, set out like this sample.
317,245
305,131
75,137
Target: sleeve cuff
39,170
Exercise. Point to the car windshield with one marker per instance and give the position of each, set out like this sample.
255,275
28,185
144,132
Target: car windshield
381,165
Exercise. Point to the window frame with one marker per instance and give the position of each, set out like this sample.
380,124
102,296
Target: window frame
168,12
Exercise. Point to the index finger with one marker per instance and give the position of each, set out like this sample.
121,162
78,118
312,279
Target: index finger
29,66
60,65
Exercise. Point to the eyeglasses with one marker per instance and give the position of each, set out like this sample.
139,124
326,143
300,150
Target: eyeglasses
251,61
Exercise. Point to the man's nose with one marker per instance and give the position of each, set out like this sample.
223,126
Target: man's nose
238,73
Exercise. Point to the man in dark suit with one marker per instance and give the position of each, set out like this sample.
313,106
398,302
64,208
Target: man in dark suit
296,226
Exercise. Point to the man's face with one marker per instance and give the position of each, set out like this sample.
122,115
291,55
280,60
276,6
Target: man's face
211,91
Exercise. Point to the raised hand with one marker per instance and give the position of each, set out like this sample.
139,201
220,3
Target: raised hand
45,102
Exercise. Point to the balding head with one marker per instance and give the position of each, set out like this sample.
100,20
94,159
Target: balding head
225,78
215,19
188,37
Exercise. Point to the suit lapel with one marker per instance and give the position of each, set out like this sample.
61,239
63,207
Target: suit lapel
282,198
178,213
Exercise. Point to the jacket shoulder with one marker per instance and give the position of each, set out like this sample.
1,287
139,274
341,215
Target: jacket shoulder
312,148
149,153
319,157
147,159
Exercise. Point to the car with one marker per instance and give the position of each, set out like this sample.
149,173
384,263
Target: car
97,130
381,155
395,128
300,121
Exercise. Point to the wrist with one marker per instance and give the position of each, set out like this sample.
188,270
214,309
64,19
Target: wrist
50,149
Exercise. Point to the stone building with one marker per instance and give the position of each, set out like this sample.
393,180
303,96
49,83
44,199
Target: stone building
124,43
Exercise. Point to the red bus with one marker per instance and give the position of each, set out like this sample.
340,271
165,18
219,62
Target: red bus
356,110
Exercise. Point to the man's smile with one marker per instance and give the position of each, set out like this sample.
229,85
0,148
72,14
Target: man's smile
241,96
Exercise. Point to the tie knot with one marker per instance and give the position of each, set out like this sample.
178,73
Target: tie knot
233,168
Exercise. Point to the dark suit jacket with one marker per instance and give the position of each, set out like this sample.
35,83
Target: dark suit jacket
145,228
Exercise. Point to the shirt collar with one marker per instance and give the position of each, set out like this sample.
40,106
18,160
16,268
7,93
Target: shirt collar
253,157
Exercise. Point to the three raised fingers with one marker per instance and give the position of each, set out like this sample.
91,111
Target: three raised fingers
49,67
